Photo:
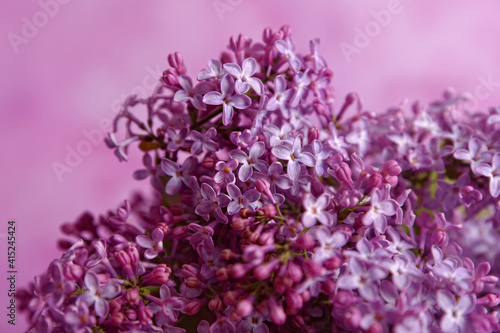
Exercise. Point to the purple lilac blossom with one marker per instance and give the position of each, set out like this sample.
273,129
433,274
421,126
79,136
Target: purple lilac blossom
338,219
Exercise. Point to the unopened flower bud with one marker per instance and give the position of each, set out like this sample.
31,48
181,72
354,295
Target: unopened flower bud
170,78
246,213
238,223
375,181
215,304
192,282
208,163
176,61
333,263
293,300
116,319
193,307
244,307
304,242
276,312
353,317
269,211
133,297
222,274
131,314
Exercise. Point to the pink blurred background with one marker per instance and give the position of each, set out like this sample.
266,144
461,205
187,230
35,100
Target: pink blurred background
65,76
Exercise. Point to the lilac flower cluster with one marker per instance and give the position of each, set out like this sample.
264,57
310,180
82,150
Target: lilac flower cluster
277,211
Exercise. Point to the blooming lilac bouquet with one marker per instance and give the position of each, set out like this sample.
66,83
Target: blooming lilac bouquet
276,211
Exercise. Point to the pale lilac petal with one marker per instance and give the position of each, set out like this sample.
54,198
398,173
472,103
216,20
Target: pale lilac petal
208,192
256,85
282,152
227,114
261,166
462,154
257,150
388,207
245,172
252,195
233,208
101,307
241,101
204,208
242,87
140,174
293,170
169,167
173,185
91,282
308,220
249,67
110,290
495,186
150,254
484,169
233,69
239,155
227,86
233,191
213,98
144,241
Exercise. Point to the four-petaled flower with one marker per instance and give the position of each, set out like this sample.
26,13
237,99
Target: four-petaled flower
241,200
227,99
293,154
250,161
243,75
97,295
153,245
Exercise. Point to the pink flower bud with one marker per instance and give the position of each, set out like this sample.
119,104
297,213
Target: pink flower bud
245,213
158,276
375,328
133,297
332,263
116,319
276,312
131,314
263,186
222,274
269,211
215,304
293,300
192,282
262,271
231,296
375,181
239,270
313,134
208,163
244,307
144,314
73,272
238,223
193,307
227,254
294,272
122,258
176,61
328,286
317,187
170,78
352,317
304,242
391,168
439,237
